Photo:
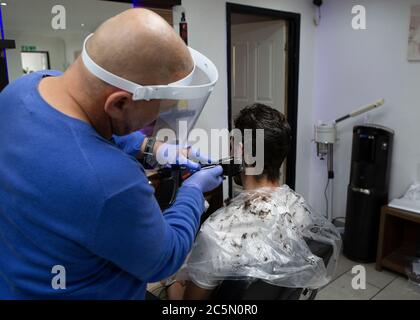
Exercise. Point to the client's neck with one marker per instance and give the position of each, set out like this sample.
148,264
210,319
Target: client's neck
250,182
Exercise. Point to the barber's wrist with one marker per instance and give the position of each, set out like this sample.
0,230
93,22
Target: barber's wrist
158,144
156,147
150,148
148,159
193,192
195,186
143,146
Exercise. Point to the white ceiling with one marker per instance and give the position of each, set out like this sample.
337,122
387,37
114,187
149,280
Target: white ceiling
35,15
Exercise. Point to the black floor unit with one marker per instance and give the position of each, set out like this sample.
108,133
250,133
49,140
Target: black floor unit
367,191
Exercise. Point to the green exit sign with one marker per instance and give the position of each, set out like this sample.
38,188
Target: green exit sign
28,48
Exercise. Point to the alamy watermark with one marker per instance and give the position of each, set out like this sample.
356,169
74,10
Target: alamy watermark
358,282
59,279
246,148
359,19
58,21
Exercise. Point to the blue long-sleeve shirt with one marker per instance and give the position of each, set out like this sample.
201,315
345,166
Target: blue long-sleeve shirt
70,198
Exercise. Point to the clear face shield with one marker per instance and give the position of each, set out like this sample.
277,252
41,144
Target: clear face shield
181,102
178,117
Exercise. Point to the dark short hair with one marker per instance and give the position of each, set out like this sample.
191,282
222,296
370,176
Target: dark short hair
277,135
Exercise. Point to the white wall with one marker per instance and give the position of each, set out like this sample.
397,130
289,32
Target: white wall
207,33
74,43
354,68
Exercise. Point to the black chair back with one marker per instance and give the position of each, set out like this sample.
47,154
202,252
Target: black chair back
257,289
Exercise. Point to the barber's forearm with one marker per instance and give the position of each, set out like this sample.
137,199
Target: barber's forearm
183,220
185,214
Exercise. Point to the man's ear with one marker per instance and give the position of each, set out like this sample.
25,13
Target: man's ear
239,151
116,103
241,148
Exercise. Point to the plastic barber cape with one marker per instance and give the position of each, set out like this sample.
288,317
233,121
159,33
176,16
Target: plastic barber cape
261,235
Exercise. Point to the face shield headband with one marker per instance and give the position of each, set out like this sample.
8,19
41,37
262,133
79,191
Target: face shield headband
180,90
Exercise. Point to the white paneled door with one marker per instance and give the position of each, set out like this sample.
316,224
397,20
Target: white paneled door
258,63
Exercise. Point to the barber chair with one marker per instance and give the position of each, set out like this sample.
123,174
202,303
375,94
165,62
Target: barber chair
257,289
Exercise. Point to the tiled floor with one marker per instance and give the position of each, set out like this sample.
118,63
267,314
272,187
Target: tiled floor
383,285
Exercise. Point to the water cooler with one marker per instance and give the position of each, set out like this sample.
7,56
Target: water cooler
367,191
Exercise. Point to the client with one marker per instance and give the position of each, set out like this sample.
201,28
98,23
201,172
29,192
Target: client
262,233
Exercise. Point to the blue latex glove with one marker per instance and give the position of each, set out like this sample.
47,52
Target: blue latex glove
131,143
168,154
205,180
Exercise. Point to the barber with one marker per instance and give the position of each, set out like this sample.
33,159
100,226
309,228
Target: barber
78,218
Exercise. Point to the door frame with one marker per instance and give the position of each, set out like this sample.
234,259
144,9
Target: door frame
292,79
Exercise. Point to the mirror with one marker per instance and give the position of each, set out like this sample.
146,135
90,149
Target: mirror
35,61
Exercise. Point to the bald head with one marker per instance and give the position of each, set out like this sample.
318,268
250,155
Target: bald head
140,46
